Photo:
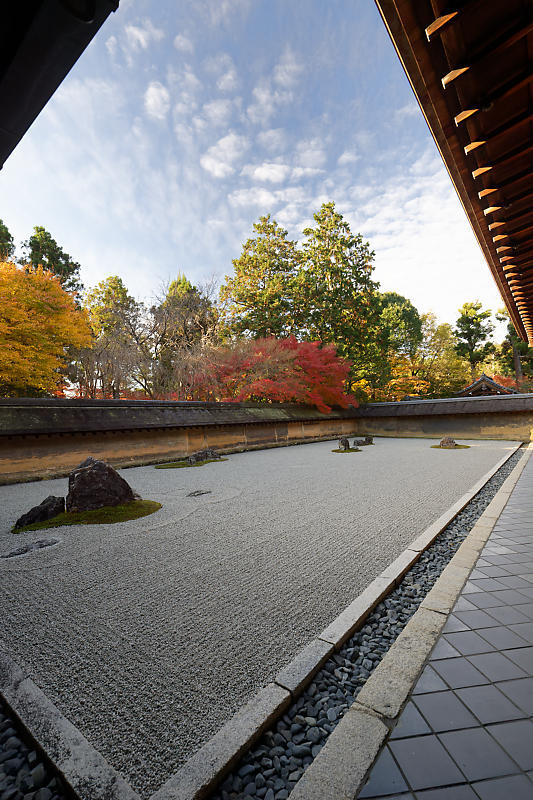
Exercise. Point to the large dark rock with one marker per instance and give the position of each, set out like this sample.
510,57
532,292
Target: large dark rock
95,484
344,444
49,508
363,442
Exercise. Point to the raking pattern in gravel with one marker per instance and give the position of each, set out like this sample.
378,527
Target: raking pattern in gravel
271,769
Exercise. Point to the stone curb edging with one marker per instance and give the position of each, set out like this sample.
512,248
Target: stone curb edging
342,766
90,776
84,769
206,768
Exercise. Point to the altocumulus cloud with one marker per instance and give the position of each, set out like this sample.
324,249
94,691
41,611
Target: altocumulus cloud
157,100
220,159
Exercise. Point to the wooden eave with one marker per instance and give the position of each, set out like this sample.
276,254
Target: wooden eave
470,66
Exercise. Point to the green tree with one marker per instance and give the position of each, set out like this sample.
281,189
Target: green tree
7,246
437,361
473,330
115,318
400,324
339,300
258,300
42,249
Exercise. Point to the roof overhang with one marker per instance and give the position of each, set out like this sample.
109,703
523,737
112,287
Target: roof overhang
40,41
469,64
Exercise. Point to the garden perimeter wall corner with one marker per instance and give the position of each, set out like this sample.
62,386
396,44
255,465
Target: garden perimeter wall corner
44,438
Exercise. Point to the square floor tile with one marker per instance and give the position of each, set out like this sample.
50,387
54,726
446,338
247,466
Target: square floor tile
445,712
429,681
494,571
525,630
476,619
515,787
526,592
497,667
508,615
523,657
411,723
525,608
485,600
477,754
489,704
510,597
502,638
462,792
454,624
459,672
468,642
425,763
515,582
488,585
520,692
385,778
443,649
464,605
516,738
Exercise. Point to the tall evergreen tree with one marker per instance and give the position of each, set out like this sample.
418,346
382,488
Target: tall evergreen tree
42,249
473,330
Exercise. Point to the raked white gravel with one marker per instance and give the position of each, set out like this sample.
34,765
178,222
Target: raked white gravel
150,634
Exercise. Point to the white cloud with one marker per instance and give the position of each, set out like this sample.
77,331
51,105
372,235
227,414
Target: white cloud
111,46
223,69
287,71
311,153
305,172
348,157
139,37
183,44
268,171
409,110
157,100
255,196
220,11
273,140
221,157
268,98
218,112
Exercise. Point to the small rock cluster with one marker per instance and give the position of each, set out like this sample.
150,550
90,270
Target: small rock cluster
94,484
448,442
23,773
344,443
29,547
271,769
363,442
203,455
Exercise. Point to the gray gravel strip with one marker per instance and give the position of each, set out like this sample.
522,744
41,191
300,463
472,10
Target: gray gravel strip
149,635
271,769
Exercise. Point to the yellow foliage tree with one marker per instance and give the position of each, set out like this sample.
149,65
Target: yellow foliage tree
39,320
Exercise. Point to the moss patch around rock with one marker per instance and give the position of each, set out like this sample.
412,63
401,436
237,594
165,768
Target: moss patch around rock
99,516
350,450
184,464
457,447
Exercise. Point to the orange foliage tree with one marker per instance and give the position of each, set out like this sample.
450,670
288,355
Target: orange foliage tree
273,370
38,322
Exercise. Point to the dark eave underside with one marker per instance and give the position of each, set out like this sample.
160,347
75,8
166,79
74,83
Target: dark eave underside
40,41
470,66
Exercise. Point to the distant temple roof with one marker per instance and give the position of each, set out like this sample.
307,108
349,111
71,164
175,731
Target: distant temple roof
485,386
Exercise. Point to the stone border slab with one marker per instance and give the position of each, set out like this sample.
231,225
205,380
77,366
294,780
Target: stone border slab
83,768
222,751
337,775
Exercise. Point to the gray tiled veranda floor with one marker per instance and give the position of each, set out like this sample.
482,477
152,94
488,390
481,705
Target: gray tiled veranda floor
467,729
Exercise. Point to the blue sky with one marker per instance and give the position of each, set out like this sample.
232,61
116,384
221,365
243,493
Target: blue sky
183,122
